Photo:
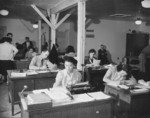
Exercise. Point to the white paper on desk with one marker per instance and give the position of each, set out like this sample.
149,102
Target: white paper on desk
18,74
59,94
139,90
40,91
82,83
98,95
83,98
42,71
59,89
31,72
142,86
123,87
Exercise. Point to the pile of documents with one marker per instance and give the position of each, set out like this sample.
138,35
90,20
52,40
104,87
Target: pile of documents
61,96
38,98
18,74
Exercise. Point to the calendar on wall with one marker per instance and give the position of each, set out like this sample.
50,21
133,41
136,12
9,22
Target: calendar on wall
2,31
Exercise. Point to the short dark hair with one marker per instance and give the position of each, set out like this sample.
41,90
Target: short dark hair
92,51
69,49
71,59
9,34
7,39
44,49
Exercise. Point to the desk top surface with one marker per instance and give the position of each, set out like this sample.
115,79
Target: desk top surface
72,103
130,92
37,75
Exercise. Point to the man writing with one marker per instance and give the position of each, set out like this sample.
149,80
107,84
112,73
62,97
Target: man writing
41,62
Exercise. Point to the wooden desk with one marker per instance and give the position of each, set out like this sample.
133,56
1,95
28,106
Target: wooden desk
129,105
95,77
38,81
92,109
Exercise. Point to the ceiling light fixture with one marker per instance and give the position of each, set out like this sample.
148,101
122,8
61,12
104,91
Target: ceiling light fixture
138,21
35,25
4,12
146,3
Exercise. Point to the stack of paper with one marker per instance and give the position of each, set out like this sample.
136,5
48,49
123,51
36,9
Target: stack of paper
83,98
142,86
18,74
31,72
42,71
123,87
139,90
59,94
40,91
38,98
98,95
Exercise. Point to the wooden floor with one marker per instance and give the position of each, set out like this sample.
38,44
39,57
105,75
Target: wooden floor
5,106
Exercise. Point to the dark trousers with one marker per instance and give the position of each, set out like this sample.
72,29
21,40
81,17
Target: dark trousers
147,69
4,66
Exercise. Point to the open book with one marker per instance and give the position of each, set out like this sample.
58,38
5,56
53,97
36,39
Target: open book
59,94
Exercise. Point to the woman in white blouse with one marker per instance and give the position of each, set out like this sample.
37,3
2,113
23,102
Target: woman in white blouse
119,74
68,76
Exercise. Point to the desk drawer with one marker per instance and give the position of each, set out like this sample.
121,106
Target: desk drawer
118,94
91,111
102,111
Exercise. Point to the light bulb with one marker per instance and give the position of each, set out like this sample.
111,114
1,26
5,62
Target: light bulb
138,21
146,3
4,12
35,26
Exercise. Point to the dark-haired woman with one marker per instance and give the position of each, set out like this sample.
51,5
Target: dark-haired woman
89,61
119,74
68,76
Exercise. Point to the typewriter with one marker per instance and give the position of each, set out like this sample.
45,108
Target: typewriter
79,88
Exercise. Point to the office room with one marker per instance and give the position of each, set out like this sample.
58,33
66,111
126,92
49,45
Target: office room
83,25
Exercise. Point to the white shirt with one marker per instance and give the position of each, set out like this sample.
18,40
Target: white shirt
113,76
63,79
36,63
7,51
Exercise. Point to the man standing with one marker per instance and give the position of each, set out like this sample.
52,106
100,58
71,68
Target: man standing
102,55
27,44
7,53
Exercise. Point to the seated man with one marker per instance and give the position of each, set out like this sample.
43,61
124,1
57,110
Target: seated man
91,58
119,74
41,61
68,76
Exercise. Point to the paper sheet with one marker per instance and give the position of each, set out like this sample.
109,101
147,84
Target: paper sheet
140,90
83,98
98,95
18,74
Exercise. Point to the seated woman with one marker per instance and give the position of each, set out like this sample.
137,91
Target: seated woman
119,74
30,53
89,61
68,76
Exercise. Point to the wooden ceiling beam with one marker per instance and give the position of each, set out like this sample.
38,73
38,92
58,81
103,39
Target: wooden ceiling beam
36,2
63,5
